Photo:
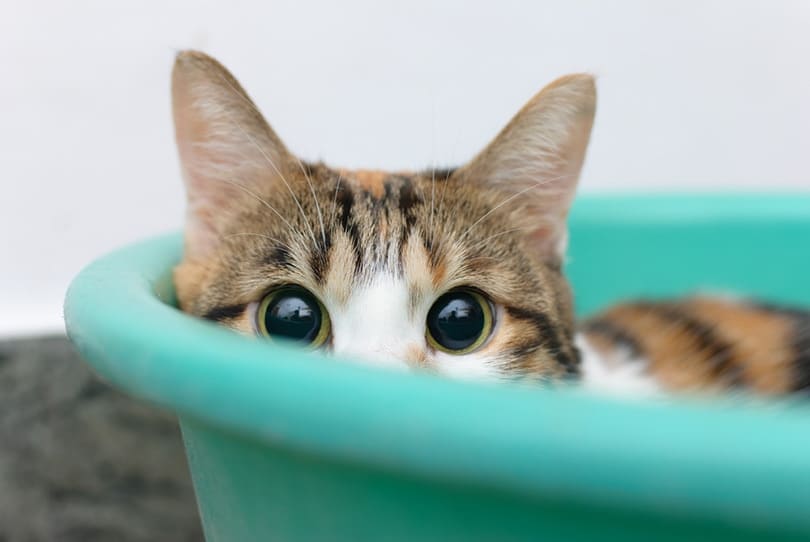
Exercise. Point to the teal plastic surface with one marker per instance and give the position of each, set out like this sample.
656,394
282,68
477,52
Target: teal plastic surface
286,445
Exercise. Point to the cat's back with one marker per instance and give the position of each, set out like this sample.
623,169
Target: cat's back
704,343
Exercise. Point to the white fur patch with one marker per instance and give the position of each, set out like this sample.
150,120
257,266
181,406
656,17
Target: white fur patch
619,374
374,325
474,366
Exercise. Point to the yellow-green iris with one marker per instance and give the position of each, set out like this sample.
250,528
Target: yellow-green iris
459,322
292,313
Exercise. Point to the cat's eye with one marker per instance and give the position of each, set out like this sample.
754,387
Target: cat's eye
294,314
459,322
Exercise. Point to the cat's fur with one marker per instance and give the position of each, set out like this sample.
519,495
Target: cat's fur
379,248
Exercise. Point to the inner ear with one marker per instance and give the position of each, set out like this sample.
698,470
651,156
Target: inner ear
228,152
536,160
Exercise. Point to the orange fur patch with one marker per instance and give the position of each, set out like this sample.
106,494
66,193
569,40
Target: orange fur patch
761,339
370,180
758,343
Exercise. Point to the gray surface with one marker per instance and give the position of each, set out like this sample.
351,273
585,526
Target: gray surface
79,461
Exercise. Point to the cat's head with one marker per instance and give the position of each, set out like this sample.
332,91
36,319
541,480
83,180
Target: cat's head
455,271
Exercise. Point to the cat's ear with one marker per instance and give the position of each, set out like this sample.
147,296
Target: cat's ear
227,150
535,161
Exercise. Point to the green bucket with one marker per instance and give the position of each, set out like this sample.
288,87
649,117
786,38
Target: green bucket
286,445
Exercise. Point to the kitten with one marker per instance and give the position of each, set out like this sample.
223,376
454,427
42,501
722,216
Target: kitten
458,272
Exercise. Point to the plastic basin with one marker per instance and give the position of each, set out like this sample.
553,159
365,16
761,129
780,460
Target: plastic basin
286,445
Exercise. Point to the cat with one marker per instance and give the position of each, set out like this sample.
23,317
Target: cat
458,271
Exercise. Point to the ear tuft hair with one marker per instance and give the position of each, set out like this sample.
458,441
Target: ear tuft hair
537,158
227,150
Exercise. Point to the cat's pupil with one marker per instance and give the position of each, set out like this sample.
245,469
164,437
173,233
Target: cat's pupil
293,315
456,320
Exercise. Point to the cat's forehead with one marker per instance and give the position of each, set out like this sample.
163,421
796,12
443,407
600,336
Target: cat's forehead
374,185
382,228
338,230
374,182
335,231
382,191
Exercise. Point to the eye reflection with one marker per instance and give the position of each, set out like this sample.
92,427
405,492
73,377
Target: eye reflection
459,321
292,313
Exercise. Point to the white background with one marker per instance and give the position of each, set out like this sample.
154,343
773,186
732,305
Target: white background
709,95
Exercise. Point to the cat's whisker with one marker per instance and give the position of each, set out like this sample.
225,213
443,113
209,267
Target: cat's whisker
334,199
258,198
480,259
314,197
283,179
510,198
252,106
432,193
252,234
505,232
444,191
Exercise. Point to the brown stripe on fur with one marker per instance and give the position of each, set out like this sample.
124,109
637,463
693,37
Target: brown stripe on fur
761,339
279,256
719,353
319,257
233,316
522,351
220,314
408,200
436,260
565,356
801,347
705,343
799,341
344,201
606,334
